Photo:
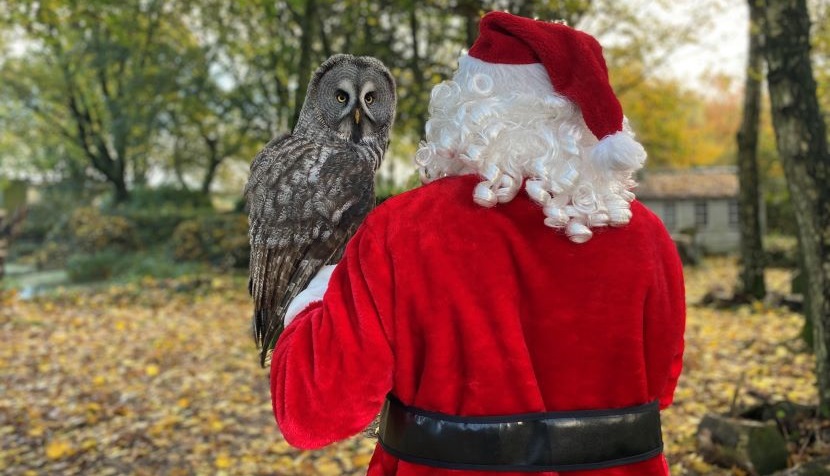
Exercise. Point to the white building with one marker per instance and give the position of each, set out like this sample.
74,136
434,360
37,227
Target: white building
702,203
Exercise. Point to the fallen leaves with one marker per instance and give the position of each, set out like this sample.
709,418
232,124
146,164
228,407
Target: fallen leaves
162,378
748,354
156,378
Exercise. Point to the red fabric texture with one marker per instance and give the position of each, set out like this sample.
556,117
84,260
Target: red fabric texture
572,58
477,311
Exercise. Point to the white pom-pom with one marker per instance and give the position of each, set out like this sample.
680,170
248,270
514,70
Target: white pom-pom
484,196
618,153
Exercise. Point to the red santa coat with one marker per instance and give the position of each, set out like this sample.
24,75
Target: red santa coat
474,311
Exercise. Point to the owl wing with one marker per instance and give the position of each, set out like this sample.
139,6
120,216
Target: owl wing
305,201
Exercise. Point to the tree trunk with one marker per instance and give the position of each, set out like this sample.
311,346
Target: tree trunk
470,11
214,159
415,64
304,69
9,226
120,191
749,201
802,144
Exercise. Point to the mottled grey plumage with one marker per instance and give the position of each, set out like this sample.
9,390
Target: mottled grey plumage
309,190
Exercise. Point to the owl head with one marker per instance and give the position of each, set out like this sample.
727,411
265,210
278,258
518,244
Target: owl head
351,96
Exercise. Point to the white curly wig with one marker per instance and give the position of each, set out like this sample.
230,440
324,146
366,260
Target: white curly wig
506,124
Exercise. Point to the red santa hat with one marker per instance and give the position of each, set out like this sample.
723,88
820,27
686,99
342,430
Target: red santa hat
573,60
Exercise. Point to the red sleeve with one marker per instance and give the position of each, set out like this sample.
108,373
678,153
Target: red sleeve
665,321
332,366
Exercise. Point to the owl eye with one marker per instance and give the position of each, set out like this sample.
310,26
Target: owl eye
369,98
342,97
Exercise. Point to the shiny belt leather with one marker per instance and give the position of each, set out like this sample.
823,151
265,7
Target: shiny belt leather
552,441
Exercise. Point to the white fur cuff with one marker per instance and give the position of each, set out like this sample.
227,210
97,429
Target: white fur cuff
313,293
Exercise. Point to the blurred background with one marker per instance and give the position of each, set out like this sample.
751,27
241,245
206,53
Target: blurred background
128,127
126,131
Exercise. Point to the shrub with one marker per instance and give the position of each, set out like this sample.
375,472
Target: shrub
156,227
40,219
92,231
111,264
47,255
83,268
164,198
219,239
156,264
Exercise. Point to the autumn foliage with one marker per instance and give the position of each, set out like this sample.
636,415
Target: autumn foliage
161,377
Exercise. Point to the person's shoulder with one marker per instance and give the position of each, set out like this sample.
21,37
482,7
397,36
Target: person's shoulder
650,227
427,198
439,205
642,216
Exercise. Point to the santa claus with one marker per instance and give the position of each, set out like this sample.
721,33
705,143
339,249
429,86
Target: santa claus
520,312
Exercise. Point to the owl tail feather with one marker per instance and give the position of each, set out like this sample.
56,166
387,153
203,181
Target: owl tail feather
267,327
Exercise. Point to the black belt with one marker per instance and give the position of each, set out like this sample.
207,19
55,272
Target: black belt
553,441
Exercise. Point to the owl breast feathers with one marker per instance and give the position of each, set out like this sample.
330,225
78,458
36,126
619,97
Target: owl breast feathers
308,191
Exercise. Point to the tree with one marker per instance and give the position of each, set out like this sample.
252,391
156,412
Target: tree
98,76
801,139
8,227
749,201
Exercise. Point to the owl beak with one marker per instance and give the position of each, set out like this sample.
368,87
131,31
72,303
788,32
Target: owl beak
357,129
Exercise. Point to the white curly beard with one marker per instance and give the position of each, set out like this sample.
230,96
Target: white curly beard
506,124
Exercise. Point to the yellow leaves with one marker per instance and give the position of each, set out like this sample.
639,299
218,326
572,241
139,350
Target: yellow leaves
37,431
285,462
215,424
222,461
58,449
753,349
699,466
361,460
327,468
169,382
89,444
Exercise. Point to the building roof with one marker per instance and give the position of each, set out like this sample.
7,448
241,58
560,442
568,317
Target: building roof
715,182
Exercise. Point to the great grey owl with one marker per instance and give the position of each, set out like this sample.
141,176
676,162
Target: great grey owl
309,190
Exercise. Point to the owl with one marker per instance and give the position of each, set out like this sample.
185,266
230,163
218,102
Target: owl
309,190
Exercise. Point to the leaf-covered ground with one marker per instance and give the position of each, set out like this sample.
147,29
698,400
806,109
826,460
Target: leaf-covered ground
161,377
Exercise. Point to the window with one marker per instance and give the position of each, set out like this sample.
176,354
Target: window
734,216
669,215
701,213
